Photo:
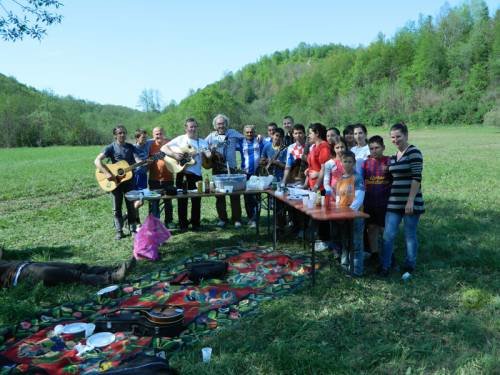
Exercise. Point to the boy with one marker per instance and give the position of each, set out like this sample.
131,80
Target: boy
350,192
375,171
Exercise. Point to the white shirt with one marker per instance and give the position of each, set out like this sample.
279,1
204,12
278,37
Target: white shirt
361,154
199,146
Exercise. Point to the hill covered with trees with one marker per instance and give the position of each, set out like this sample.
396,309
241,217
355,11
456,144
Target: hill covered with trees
437,70
32,118
442,70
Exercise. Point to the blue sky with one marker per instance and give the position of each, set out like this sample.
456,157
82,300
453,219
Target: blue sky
108,51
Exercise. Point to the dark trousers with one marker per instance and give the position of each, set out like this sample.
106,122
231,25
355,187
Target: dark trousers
220,205
182,203
118,196
155,205
252,205
56,273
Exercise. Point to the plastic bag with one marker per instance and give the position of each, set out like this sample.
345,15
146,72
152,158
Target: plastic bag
149,237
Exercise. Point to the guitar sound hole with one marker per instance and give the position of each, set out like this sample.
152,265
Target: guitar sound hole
120,172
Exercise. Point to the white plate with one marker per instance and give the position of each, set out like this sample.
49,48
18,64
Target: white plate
108,289
74,328
101,339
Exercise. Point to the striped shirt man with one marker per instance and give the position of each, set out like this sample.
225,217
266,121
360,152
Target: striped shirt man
407,168
250,155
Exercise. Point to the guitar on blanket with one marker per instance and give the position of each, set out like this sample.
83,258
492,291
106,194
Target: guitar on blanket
121,171
188,158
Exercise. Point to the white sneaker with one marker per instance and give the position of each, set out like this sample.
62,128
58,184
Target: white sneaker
237,224
252,224
221,223
320,246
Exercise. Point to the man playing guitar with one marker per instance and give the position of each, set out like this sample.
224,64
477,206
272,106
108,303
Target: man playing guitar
224,141
116,151
188,177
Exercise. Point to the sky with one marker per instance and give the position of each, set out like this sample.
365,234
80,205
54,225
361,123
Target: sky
109,51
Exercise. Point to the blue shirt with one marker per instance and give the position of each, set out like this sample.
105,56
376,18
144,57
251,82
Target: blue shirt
250,155
226,144
269,152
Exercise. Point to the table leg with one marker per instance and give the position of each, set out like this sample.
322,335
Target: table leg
313,259
275,223
350,246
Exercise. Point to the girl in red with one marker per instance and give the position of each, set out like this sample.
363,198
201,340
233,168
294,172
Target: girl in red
319,154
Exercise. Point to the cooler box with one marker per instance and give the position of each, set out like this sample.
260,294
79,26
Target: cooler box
230,182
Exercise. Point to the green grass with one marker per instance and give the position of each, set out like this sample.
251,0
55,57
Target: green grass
444,321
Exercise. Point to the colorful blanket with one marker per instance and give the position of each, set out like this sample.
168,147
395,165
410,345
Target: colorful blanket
255,275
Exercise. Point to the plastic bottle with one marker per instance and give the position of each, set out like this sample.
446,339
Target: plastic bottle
207,185
318,198
328,199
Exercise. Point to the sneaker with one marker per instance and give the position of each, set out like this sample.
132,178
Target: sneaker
252,224
320,246
237,224
221,223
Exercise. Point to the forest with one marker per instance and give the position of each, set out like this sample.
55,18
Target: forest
442,70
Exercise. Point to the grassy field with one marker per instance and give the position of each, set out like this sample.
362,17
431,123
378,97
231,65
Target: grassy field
444,321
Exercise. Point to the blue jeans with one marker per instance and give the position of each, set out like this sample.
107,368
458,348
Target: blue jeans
410,222
357,243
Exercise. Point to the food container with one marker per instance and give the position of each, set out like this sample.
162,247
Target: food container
237,181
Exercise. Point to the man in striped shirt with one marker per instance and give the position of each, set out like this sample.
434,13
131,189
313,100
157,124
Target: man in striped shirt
405,200
251,149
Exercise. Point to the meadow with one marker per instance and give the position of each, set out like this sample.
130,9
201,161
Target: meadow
445,320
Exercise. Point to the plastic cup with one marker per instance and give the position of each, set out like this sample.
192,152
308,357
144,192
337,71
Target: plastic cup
206,354
310,203
304,201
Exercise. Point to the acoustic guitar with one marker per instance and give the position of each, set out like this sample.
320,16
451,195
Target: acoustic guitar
188,158
121,171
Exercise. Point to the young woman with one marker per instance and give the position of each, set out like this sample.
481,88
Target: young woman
348,134
361,149
319,154
333,167
405,200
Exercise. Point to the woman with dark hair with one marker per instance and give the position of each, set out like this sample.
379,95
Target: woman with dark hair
361,149
405,199
348,134
319,154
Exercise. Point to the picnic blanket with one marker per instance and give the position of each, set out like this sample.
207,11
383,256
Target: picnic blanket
254,275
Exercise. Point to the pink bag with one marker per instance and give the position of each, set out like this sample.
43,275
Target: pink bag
149,237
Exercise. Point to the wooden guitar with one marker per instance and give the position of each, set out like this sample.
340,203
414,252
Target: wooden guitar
188,159
266,170
122,171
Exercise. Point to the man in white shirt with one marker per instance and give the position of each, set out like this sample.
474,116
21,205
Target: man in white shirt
188,177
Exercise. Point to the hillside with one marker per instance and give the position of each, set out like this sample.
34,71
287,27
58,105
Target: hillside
443,70
32,118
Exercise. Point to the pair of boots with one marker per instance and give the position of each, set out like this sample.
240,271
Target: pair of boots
119,228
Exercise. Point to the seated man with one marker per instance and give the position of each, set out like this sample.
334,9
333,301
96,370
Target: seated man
52,273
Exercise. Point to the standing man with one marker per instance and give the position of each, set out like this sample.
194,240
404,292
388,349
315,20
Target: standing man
191,174
295,153
116,151
271,128
224,142
251,149
288,123
160,177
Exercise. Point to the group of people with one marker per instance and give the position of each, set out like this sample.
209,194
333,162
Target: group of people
349,168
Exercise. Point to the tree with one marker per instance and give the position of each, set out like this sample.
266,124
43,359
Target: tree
19,18
150,101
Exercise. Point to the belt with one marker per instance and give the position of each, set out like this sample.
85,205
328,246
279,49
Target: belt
18,272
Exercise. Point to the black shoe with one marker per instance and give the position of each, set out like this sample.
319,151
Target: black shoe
119,235
407,269
382,272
